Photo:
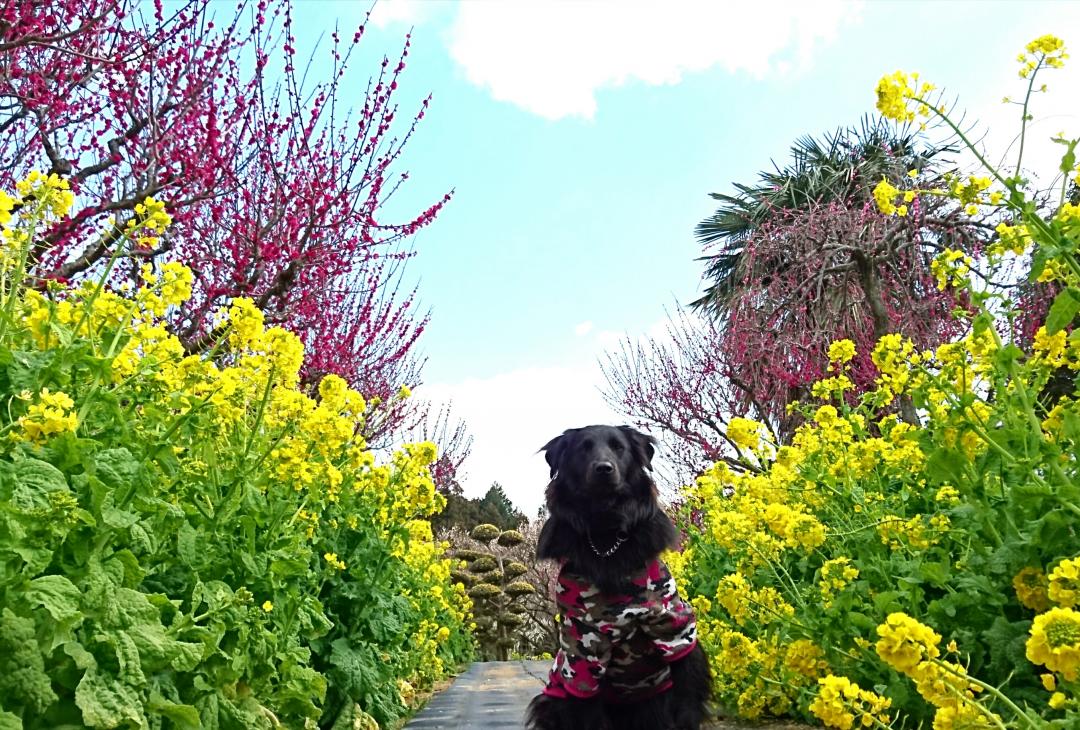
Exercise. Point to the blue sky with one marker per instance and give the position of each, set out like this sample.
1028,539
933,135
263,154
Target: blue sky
582,140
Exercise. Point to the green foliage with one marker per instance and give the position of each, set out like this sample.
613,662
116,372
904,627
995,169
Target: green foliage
191,541
933,557
498,589
493,508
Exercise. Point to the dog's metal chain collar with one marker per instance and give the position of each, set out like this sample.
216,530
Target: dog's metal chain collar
619,540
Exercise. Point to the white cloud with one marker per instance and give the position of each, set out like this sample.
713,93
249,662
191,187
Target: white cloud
404,12
583,329
1053,112
551,58
511,415
994,126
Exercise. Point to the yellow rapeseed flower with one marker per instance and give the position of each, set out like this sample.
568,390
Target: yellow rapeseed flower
1030,586
905,642
894,91
52,414
841,351
1065,583
333,561
951,267
745,433
840,703
1055,642
885,195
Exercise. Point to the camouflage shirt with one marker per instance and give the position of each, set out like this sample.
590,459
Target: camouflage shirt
620,645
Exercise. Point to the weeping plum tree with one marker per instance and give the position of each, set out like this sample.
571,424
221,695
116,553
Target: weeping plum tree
792,263
835,271
276,185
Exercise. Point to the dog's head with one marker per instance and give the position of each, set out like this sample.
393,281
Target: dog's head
598,464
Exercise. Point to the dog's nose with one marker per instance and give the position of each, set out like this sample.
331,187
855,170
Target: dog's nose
604,467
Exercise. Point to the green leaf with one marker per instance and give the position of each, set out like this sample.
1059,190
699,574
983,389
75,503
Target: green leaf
944,466
57,595
1068,160
8,721
1064,309
191,546
28,370
184,716
118,519
34,480
861,621
23,681
107,703
127,653
119,470
885,602
187,657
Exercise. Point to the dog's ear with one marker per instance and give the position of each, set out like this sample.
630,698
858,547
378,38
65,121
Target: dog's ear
643,445
553,450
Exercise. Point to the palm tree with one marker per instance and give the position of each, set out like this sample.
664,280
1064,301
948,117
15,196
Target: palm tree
842,166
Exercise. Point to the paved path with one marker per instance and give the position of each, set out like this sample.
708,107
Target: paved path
494,695
489,695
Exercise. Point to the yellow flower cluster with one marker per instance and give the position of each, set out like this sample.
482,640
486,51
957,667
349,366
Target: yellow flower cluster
1046,50
1031,588
7,204
149,222
895,91
744,433
1055,350
40,200
918,532
905,643
51,193
1065,583
836,575
951,268
1055,642
333,561
1012,238
750,513
911,648
746,604
840,703
806,658
895,357
885,195
841,351
51,414
829,387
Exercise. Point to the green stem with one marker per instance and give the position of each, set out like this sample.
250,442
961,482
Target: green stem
998,694
15,283
1024,117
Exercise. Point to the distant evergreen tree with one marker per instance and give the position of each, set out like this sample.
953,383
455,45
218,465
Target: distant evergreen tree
494,508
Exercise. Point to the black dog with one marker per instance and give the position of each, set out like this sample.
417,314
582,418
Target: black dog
628,656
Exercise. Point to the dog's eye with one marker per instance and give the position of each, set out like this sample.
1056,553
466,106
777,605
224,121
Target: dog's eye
616,446
587,445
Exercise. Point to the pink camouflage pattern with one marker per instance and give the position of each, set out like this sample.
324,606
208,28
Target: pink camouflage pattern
619,646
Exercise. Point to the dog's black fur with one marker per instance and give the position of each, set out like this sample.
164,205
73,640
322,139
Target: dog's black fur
601,491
